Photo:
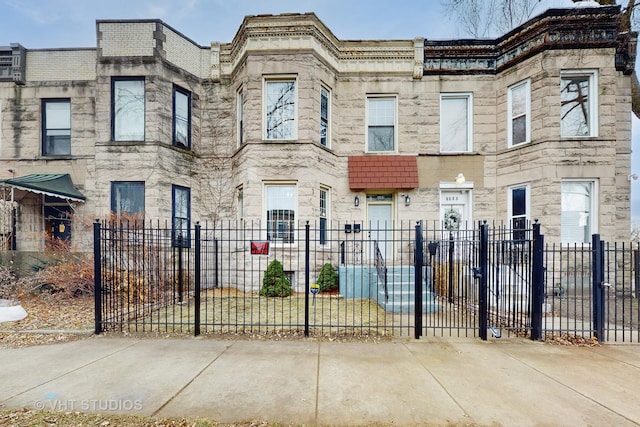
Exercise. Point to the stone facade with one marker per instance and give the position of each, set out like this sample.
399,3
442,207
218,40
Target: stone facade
414,74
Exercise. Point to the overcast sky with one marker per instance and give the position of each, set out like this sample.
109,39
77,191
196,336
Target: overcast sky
71,23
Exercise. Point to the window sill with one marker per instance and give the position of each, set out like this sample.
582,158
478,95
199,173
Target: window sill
574,138
58,157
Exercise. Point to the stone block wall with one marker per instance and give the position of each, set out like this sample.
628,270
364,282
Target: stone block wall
301,47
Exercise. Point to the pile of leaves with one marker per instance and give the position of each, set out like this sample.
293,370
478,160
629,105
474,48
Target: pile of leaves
73,276
58,303
566,339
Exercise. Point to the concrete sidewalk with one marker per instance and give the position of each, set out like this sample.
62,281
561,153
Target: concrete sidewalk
404,382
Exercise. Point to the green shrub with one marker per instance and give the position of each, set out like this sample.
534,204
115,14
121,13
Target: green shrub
274,282
328,278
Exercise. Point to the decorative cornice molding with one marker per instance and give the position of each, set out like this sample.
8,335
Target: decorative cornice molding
578,28
279,33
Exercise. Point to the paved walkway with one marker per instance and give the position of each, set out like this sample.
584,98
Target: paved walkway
404,382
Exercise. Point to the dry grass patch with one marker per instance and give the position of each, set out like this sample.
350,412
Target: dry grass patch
232,311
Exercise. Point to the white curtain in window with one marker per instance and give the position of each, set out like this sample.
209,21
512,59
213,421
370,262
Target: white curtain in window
58,115
281,205
576,211
519,114
454,125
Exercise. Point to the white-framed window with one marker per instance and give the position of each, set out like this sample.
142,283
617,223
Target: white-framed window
519,113
280,108
456,122
240,116
280,211
127,108
381,123
325,120
324,214
56,127
578,103
519,210
181,117
579,217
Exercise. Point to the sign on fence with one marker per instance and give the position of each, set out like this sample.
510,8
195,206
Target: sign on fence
259,247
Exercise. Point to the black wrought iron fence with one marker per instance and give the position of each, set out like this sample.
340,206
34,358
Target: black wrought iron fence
227,278
592,299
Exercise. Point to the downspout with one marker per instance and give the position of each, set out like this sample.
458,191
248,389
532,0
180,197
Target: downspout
14,228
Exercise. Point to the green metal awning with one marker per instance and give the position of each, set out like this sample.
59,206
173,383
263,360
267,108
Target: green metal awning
56,185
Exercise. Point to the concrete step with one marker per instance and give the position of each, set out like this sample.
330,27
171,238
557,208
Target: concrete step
429,305
401,291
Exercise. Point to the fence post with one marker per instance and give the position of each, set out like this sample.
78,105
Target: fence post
216,282
180,284
451,255
197,277
97,277
636,270
537,288
419,261
484,270
306,279
597,288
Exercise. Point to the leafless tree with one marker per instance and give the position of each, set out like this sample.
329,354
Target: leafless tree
490,18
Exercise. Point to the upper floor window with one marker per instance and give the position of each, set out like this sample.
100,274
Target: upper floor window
181,117
519,112
519,211
181,216
281,212
6,64
578,103
381,123
456,122
240,116
127,197
324,116
280,109
578,206
13,63
56,127
127,108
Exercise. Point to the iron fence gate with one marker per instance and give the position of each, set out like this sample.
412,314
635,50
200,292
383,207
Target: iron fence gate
334,279
482,280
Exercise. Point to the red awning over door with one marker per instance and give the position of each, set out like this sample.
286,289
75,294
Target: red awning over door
383,172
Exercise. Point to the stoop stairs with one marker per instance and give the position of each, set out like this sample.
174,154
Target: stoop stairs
401,290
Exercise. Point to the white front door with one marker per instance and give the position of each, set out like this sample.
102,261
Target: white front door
455,209
380,216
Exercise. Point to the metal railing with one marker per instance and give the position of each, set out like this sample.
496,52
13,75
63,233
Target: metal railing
381,268
437,282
